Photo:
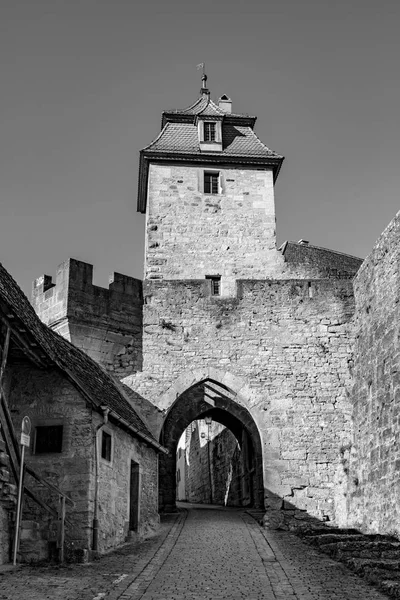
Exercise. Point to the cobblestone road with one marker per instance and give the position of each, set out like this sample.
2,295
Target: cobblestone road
202,554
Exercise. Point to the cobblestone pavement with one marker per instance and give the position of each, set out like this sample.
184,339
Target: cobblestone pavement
198,555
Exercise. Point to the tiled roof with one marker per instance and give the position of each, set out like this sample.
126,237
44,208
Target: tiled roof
96,384
182,138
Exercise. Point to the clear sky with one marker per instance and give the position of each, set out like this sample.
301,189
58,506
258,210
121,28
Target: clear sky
83,84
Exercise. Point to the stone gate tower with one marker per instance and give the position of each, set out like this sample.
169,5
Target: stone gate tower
207,188
257,338
224,325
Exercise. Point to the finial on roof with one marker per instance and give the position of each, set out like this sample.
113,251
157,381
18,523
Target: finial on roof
204,90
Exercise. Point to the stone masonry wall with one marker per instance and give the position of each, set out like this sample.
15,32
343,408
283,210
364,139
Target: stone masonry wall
374,482
191,234
286,349
101,322
223,452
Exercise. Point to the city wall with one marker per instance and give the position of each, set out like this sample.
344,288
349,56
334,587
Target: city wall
374,478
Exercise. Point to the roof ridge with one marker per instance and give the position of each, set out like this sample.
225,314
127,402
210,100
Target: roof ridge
322,248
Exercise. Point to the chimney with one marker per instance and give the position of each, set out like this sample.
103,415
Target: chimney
225,104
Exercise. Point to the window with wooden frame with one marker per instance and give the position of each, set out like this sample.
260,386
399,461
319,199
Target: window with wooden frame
215,281
48,438
209,131
211,182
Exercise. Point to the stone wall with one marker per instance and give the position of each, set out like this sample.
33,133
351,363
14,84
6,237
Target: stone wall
374,492
104,323
285,349
191,234
213,462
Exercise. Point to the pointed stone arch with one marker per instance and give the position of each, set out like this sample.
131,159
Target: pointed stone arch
209,392
188,379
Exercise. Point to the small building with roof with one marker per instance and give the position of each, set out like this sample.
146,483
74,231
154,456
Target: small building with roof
89,445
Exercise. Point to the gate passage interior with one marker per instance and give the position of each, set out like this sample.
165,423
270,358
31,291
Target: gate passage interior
210,398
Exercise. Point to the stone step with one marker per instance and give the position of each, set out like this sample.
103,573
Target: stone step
331,538
362,549
375,568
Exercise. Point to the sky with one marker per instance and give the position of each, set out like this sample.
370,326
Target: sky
84,82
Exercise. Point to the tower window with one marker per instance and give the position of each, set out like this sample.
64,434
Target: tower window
215,284
48,439
209,132
211,182
106,446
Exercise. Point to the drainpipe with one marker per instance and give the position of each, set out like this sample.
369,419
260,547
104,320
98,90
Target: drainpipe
95,544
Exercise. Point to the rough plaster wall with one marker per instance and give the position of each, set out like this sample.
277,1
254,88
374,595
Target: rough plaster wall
374,491
114,489
289,343
49,398
191,234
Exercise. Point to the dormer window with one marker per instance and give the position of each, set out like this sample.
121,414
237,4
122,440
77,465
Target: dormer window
209,132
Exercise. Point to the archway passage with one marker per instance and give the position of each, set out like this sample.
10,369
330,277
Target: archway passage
209,398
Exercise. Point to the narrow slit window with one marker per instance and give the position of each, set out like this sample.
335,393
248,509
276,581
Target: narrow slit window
48,439
215,281
211,182
106,446
209,132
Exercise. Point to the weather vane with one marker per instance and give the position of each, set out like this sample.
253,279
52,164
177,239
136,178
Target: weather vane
204,76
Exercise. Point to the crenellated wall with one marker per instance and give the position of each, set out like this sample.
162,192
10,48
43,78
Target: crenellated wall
104,323
374,490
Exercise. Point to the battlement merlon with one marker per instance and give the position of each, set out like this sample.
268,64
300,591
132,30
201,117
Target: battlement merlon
73,296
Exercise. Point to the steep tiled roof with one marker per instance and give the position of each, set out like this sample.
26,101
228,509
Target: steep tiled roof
96,384
183,138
